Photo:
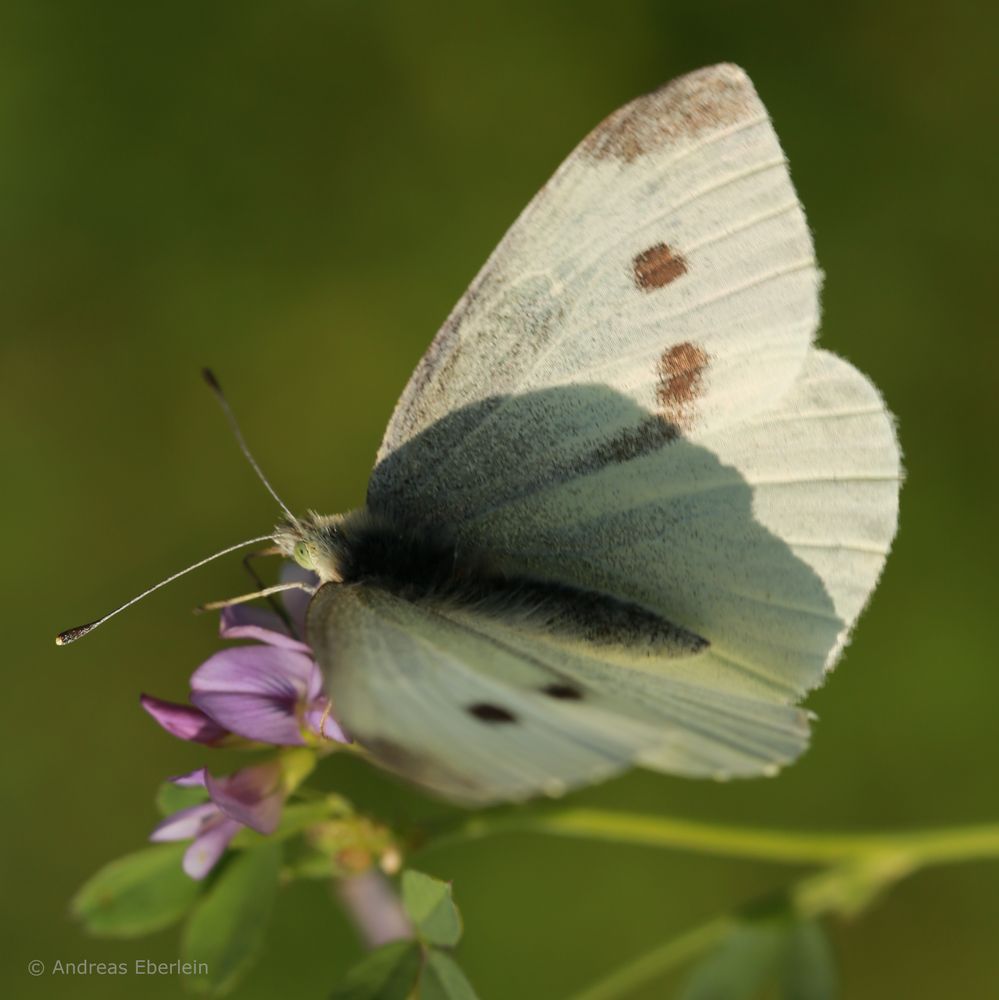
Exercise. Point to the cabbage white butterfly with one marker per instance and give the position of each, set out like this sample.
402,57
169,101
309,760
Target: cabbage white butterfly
624,511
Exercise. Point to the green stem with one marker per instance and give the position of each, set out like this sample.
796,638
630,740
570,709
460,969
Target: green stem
921,847
657,963
856,867
845,889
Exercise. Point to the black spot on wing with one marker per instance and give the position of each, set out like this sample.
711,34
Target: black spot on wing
563,692
645,438
491,713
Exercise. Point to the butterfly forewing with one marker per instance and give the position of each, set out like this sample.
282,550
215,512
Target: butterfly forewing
668,259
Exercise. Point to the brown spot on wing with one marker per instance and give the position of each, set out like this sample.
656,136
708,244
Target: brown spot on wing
657,267
703,101
680,370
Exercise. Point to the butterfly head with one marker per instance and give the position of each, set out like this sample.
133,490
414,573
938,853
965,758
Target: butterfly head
315,542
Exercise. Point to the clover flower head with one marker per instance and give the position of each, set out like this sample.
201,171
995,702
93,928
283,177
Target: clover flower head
264,693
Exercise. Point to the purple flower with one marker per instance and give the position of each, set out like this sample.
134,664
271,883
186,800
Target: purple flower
268,693
252,797
184,721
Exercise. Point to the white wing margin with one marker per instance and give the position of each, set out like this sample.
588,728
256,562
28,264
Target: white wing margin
670,236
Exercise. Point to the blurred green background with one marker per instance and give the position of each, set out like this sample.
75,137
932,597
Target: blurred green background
296,194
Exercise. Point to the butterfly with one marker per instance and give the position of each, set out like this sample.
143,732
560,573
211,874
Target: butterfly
624,512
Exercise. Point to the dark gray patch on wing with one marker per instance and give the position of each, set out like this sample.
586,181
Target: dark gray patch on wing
706,100
650,435
599,620
428,568
571,440
539,439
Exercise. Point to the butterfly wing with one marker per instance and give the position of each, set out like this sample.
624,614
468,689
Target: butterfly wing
480,709
667,258
765,538
626,401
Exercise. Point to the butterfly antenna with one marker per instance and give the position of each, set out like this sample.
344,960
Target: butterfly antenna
213,384
72,634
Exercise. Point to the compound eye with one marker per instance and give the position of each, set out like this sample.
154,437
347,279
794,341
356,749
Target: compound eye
303,555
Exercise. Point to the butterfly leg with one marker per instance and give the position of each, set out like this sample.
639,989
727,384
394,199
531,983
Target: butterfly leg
266,592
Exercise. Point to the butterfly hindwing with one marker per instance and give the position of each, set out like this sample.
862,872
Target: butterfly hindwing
454,711
481,708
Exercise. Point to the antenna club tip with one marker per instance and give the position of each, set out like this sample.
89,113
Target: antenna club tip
72,634
209,376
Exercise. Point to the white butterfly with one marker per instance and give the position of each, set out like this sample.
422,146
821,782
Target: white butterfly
624,512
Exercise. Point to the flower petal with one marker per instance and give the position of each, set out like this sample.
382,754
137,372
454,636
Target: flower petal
202,856
252,796
315,686
183,721
244,621
296,602
255,691
319,719
263,670
191,779
255,717
186,823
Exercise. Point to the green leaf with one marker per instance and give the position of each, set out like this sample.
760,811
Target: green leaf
809,971
226,930
386,974
442,979
742,962
171,798
137,894
430,907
